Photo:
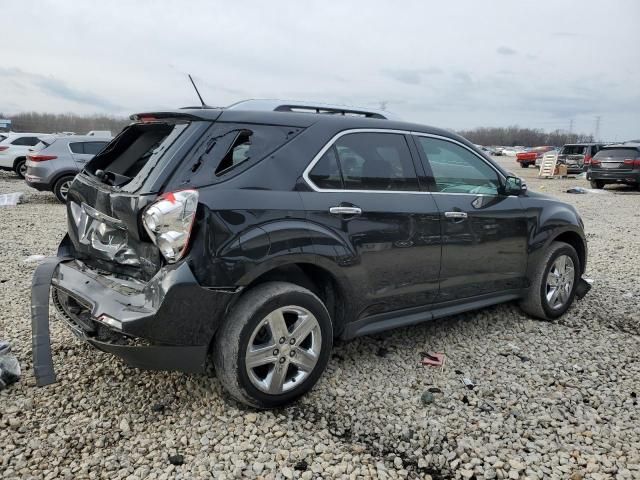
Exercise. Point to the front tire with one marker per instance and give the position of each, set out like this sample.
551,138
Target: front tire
524,165
61,188
553,286
599,184
274,345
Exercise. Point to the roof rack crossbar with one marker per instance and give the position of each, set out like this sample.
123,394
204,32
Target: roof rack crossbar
309,107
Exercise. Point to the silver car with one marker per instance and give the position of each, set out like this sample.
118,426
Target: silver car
53,163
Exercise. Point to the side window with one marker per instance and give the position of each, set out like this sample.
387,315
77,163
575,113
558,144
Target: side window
456,170
326,173
376,161
25,141
93,148
76,147
367,161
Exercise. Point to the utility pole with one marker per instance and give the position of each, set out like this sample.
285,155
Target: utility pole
571,126
597,132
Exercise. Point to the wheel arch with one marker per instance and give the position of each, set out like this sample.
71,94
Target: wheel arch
577,242
321,280
17,159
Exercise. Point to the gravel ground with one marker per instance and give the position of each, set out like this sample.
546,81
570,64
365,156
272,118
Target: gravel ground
553,400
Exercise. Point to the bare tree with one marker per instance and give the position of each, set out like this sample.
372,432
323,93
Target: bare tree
64,122
514,135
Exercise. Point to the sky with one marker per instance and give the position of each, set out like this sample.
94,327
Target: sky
549,64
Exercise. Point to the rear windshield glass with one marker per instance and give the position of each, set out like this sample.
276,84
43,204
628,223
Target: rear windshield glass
41,144
136,145
573,150
621,153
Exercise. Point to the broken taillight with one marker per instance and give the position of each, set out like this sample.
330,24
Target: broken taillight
169,220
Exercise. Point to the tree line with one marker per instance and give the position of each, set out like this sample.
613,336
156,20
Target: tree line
64,122
81,124
528,137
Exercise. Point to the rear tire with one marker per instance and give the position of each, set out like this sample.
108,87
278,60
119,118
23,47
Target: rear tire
259,358
541,300
61,188
599,184
524,165
20,167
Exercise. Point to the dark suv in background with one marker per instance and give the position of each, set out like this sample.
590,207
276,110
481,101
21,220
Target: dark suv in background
577,156
255,235
616,164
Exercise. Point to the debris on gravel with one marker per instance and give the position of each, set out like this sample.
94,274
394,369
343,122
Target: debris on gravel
531,415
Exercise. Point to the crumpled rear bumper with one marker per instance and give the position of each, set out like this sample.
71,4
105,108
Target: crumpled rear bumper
164,324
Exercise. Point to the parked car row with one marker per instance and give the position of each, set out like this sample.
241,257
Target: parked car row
49,162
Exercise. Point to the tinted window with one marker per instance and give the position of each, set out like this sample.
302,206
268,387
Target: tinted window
573,150
76,147
25,141
326,173
92,148
456,170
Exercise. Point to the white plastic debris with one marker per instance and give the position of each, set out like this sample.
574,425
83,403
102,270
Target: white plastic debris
34,259
10,199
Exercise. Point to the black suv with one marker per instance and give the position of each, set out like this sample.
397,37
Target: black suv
255,238
616,164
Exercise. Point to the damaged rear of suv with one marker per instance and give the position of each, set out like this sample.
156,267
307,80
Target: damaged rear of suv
254,236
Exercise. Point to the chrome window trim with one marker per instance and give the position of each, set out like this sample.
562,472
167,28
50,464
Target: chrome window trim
329,144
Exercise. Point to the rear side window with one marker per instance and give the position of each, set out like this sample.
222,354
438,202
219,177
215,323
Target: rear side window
87,148
26,141
617,153
136,145
229,148
367,161
76,147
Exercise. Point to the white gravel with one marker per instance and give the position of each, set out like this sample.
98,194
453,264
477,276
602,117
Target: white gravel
553,400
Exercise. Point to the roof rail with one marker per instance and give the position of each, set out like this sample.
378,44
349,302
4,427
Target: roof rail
309,107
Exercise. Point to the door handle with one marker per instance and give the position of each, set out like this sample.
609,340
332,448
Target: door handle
345,210
457,215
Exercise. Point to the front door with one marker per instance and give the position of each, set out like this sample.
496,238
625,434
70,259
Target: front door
484,233
364,188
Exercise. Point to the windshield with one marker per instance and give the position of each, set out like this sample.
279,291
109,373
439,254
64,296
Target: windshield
573,150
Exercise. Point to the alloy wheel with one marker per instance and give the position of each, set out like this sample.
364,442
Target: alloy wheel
283,350
64,189
560,281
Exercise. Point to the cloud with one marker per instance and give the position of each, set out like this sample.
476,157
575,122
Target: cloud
506,51
56,88
411,76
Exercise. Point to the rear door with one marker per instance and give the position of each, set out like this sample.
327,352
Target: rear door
484,233
364,188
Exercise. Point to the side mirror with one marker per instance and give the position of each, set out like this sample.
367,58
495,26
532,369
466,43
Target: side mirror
513,186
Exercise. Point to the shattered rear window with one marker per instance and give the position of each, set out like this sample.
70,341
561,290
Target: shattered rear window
130,151
231,147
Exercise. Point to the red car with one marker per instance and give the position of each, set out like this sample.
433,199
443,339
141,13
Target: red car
529,158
